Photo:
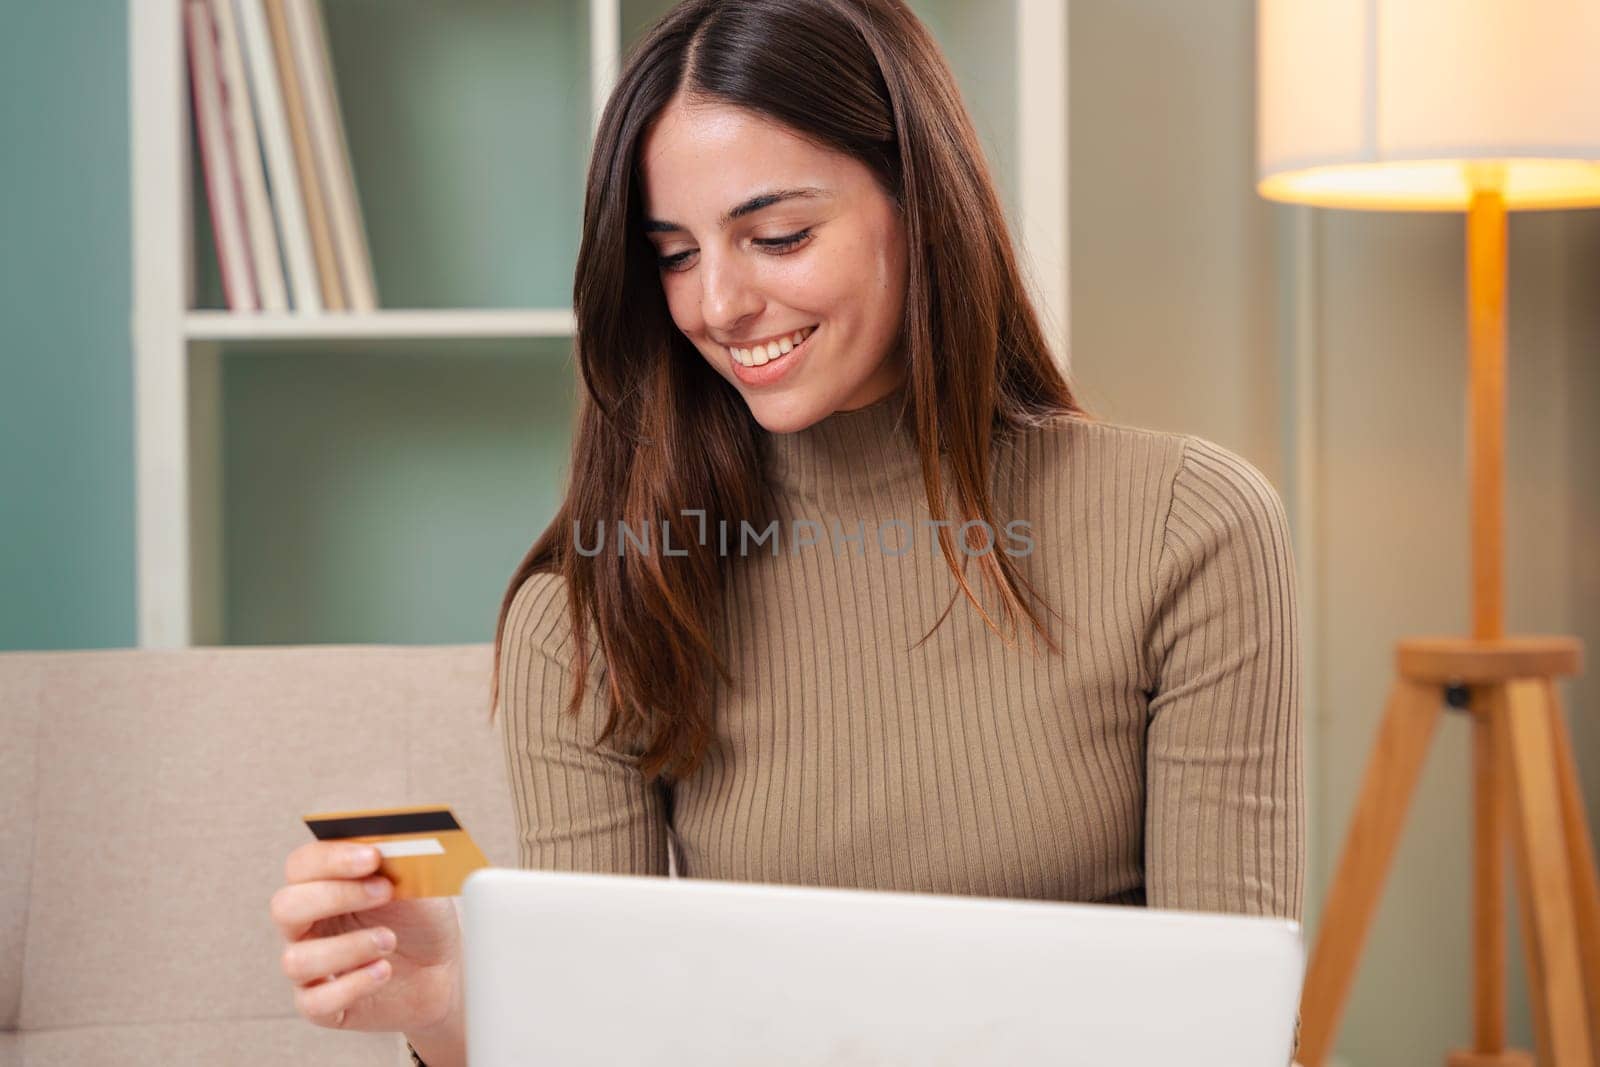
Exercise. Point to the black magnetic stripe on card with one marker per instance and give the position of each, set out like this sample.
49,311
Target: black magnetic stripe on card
410,822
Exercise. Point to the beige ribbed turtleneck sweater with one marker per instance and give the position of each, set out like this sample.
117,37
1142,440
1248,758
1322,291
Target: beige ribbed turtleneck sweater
1156,760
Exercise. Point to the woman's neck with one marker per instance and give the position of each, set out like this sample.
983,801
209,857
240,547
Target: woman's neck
868,448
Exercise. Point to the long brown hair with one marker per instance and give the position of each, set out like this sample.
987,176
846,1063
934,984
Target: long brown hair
659,430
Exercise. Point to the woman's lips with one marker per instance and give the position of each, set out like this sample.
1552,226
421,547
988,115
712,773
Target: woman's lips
774,369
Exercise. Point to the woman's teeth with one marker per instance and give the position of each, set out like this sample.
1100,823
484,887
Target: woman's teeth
760,354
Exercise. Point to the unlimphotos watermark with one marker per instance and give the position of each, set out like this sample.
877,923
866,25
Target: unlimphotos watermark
891,537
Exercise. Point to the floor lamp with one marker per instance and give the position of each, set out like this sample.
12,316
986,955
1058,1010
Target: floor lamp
1480,106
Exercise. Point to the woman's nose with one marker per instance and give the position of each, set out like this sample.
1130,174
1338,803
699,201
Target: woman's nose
728,294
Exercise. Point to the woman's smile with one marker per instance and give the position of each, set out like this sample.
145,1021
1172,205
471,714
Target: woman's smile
762,364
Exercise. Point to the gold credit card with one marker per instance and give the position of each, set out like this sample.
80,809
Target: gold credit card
425,852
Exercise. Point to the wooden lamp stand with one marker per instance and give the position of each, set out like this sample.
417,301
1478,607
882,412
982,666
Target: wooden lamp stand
1526,790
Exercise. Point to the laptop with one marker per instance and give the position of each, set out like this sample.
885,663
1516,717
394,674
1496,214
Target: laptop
572,969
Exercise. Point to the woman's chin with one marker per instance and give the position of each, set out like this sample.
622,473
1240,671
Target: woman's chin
787,410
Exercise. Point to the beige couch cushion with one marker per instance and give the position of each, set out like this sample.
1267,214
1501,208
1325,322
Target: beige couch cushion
152,797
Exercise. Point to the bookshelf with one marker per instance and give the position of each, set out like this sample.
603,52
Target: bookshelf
356,477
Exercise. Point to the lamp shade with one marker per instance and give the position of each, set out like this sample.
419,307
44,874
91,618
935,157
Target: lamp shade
1413,104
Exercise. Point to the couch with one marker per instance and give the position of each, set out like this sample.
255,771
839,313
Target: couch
151,798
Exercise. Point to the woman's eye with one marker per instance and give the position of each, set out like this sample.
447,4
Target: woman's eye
672,262
784,242
775,244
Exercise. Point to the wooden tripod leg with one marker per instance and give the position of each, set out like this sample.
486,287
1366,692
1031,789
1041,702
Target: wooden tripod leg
1543,875
1580,856
1489,799
1409,719
1497,702
1491,802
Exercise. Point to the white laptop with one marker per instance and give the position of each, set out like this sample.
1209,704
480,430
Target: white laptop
567,969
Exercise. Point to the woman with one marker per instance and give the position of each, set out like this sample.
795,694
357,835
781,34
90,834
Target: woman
826,480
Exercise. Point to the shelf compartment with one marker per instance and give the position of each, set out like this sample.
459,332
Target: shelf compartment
385,495
468,128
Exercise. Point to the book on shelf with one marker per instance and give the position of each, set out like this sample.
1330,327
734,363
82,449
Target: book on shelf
247,162
267,101
305,165
280,187
308,34
221,180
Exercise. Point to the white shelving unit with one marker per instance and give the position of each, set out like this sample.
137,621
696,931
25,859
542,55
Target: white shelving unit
178,350
379,325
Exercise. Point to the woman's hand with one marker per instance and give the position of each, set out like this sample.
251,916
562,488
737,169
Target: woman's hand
360,960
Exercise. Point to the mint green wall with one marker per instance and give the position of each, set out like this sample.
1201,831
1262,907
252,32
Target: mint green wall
66,421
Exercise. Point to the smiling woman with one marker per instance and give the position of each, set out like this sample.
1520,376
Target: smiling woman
736,199
885,607
799,307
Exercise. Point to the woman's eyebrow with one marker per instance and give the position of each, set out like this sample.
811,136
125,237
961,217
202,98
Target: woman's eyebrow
755,203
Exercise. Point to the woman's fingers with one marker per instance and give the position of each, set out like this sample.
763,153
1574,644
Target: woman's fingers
329,879
294,908
315,861
325,1003
310,960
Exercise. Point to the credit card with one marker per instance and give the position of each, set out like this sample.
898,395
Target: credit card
425,852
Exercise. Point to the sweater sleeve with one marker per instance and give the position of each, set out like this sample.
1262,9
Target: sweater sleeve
1225,799
1225,804
580,806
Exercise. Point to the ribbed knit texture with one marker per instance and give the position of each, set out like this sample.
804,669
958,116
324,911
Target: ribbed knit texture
1156,760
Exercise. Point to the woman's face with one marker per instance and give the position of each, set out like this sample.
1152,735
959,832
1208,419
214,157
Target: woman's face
763,236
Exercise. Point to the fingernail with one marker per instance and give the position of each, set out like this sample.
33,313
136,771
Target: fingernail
358,856
379,970
377,887
384,939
